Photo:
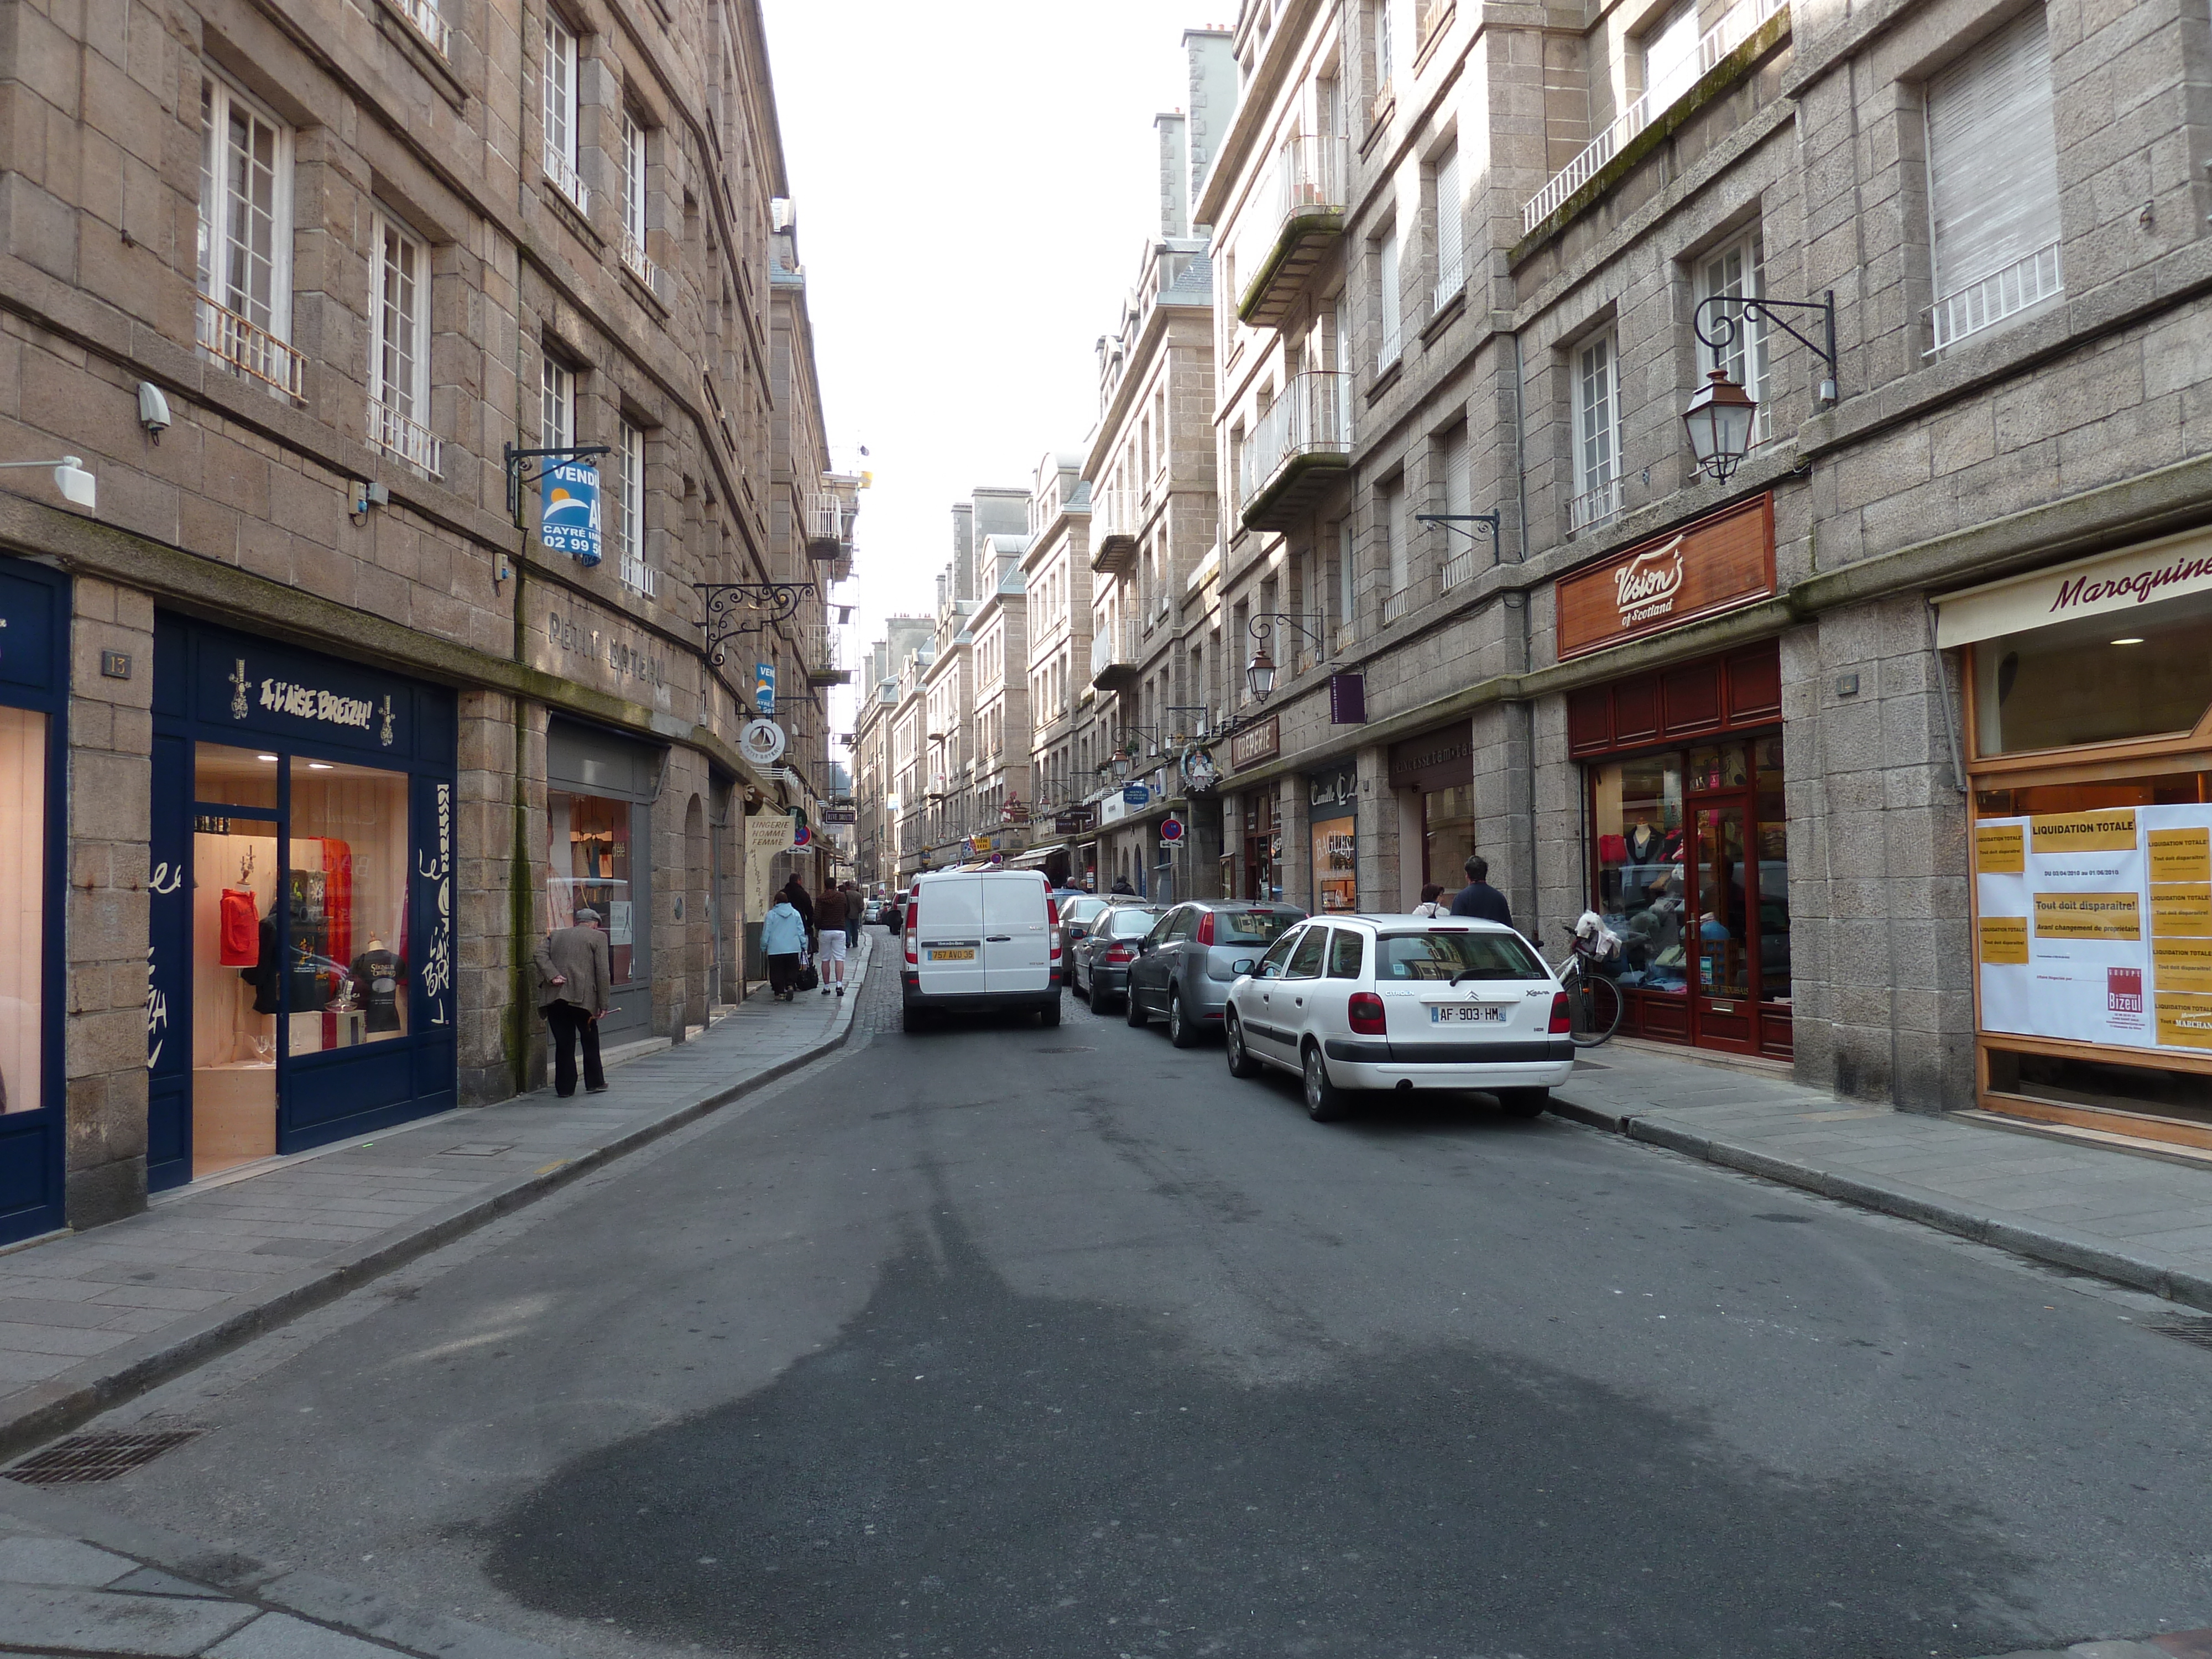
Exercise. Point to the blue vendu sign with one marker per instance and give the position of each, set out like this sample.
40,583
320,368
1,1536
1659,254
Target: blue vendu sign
568,519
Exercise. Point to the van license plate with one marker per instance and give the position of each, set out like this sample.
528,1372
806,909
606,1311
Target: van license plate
952,956
1466,1014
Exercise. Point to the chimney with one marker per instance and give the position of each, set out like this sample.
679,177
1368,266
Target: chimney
1174,172
1212,58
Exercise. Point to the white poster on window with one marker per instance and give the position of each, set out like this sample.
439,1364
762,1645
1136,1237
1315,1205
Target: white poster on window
2097,926
618,922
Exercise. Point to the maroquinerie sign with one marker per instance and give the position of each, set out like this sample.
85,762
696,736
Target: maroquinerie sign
1713,565
2165,569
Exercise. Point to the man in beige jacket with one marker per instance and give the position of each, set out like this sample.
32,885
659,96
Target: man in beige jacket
573,979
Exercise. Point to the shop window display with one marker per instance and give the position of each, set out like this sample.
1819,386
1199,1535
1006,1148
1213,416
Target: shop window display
1637,813
346,918
22,911
588,856
1447,833
1336,874
235,959
2141,672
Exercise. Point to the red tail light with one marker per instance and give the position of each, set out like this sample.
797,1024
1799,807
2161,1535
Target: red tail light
913,915
1562,1022
1367,1014
1119,953
1052,921
1206,928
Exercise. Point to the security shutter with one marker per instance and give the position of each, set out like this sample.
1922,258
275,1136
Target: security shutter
1451,242
1993,156
1459,484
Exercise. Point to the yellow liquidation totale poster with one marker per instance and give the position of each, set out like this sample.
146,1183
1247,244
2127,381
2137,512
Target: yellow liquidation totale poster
2097,926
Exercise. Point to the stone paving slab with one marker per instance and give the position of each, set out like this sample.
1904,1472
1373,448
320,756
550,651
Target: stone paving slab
87,1319
78,1582
2144,1221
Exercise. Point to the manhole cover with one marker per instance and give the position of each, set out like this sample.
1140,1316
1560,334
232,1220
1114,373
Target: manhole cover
479,1149
84,1458
2197,1333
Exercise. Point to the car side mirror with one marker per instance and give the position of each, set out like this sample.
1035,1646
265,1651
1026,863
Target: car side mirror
1144,947
1243,965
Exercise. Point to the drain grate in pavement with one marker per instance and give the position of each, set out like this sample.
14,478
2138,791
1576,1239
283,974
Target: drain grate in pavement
2197,1333
84,1458
478,1148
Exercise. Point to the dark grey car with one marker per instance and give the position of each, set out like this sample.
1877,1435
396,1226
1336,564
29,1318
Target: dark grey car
1099,961
1187,963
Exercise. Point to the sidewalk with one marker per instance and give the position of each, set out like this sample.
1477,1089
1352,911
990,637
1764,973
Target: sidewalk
2142,1220
91,1318
74,1581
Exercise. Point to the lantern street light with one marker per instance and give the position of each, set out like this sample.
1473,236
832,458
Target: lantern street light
1120,764
1719,417
1259,674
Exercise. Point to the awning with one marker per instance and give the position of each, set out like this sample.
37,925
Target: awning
1036,858
2168,568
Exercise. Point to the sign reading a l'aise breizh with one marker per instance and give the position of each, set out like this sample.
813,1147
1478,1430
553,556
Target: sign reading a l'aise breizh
568,512
2097,926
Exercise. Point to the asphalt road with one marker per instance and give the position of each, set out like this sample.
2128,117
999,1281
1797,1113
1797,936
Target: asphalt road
1007,1341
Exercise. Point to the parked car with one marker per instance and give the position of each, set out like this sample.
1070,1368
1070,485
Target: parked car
1187,963
1355,1002
980,941
1075,914
1099,961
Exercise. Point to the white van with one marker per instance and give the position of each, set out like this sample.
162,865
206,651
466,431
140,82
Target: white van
980,941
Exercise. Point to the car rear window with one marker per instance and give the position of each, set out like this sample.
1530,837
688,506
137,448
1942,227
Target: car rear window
1127,921
1449,955
1253,927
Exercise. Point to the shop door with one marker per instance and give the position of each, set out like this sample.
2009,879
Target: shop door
1724,939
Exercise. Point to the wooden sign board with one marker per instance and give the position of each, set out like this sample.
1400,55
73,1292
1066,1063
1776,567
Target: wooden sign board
1261,741
1713,565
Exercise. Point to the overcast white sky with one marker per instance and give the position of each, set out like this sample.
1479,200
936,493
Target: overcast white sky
975,181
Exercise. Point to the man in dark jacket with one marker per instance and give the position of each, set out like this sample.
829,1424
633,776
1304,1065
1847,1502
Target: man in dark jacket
803,902
1478,898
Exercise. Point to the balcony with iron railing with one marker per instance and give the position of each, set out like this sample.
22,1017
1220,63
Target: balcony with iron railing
1458,567
638,576
566,179
1309,207
433,28
637,262
1737,24
822,653
406,438
1594,507
1397,602
1115,517
249,349
1114,655
828,527
1996,298
1298,449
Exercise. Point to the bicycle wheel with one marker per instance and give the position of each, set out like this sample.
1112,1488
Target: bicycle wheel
1593,1007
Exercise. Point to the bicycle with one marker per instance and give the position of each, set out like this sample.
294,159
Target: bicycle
1594,1002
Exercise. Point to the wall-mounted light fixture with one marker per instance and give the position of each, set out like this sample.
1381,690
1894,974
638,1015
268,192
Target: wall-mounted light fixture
78,486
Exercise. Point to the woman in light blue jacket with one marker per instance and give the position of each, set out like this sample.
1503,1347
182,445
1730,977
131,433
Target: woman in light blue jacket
783,936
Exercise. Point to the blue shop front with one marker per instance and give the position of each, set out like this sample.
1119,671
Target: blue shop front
302,954
34,611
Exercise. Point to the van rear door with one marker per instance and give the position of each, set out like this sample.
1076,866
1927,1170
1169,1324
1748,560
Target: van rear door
949,935
1017,933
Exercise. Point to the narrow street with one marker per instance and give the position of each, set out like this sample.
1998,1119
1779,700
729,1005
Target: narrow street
1010,1342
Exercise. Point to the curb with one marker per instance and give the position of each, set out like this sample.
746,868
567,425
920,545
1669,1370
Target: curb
267,1585
59,1405
2022,1235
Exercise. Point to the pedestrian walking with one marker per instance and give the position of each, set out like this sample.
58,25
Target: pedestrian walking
783,940
803,902
830,917
1431,902
855,909
573,977
1478,898
1122,885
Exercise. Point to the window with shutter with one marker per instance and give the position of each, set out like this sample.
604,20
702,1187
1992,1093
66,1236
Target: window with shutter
1451,239
1393,322
1454,464
1993,183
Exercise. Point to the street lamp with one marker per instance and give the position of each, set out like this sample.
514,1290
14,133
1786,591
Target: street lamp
1719,420
1120,764
78,486
1259,674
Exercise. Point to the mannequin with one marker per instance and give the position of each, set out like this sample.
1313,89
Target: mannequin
1642,843
376,972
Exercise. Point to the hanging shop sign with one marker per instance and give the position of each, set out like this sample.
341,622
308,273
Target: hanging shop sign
761,742
1714,565
2165,569
1074,821
2097,926
568,509
1136,795
841,815
1262,740
764,688
1200,773
1347,699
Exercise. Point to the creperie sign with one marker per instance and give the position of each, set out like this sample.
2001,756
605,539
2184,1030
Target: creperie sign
1714,565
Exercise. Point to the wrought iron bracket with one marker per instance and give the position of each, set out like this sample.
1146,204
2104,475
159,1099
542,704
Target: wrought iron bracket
520,470
1460,521
728,602
1728,312
1263,628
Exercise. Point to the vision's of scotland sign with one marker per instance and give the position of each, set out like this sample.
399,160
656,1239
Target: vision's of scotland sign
1714,565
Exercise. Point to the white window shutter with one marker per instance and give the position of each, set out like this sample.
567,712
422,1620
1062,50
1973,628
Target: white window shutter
1993,156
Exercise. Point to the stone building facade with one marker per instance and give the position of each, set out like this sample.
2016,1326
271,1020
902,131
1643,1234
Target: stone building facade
1472,266
312,734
